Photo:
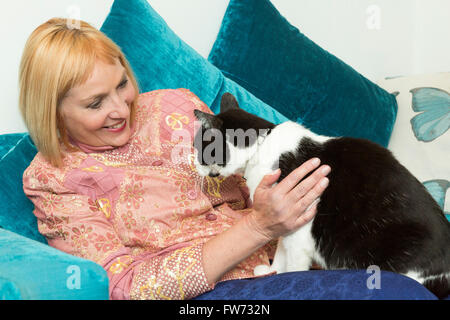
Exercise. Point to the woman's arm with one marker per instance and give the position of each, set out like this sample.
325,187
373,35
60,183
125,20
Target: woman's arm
276,212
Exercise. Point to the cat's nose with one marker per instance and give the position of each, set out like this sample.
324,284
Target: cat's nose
214,174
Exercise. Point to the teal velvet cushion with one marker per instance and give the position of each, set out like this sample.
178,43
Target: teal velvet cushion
32,270
16,210
161,60
248,102
9,140
260,50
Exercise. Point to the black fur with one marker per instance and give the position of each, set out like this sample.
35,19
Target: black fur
375,212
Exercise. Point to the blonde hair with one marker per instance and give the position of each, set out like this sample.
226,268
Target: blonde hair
56,58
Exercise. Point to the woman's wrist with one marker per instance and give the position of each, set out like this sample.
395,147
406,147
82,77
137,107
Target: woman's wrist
223,252
254,229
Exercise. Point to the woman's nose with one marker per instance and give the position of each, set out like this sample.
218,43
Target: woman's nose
119,108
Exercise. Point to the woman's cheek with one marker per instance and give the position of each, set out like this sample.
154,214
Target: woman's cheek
130,94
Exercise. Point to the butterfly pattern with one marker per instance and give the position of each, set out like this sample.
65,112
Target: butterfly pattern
438,188
434,119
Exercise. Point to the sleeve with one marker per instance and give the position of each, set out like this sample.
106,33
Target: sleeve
73,223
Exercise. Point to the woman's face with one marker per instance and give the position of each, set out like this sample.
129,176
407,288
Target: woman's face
97,113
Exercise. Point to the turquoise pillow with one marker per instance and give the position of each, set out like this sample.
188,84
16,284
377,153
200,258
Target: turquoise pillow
161,60
7,141
30,270
16,211
260,50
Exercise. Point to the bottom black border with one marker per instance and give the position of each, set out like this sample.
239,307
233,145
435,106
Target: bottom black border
230,309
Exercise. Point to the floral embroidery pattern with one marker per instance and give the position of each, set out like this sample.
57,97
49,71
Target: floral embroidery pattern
52,202
43,176
182,200
105,243
182,181
81,236
93,205
55,227
133,193
128,220
142,237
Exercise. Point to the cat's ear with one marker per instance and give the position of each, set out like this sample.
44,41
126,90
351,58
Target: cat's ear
208,120
228,102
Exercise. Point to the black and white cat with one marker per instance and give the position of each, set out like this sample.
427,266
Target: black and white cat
373,212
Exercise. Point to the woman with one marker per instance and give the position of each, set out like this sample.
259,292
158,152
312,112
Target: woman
106,187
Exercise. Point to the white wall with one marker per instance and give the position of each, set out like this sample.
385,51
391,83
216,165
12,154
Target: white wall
378,38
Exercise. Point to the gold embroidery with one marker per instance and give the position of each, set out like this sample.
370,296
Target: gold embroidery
148,288
93,169
106,162
175,120
105,206
214,186
119,265
178,267
176,272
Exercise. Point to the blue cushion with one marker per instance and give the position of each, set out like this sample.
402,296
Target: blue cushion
32,270
260,50
7,141
248,102
321,285
16,211
161,60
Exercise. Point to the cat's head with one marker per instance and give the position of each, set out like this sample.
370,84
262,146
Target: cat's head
225,142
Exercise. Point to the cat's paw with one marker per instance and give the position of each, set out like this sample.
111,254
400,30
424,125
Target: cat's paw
261,270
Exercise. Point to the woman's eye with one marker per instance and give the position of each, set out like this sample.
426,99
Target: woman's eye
123,83
95,104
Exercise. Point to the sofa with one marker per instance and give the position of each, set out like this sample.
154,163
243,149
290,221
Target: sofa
274,71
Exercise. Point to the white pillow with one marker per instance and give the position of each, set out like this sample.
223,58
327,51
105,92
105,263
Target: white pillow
421,136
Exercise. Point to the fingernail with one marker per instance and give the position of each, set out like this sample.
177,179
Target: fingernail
276,171
316,161
324,182
326,170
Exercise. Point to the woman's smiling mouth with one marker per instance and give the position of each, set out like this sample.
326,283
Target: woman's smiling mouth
117,127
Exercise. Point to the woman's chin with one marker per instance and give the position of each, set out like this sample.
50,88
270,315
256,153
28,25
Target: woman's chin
118,140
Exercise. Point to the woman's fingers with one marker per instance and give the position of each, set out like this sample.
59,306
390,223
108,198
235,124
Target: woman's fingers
307,206
269,179
307,216
290,204
303,187
289,182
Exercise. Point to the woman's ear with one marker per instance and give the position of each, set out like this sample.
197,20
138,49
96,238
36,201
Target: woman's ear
228,102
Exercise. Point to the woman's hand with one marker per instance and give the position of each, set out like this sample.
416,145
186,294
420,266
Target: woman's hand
276,211
289,205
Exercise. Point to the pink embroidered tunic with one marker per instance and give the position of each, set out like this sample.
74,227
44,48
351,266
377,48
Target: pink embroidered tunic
141,211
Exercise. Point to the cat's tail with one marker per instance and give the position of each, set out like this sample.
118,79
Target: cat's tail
439,286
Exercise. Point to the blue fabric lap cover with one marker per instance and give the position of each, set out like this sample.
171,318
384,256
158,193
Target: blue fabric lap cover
16,211
323,284
260,50
161,60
